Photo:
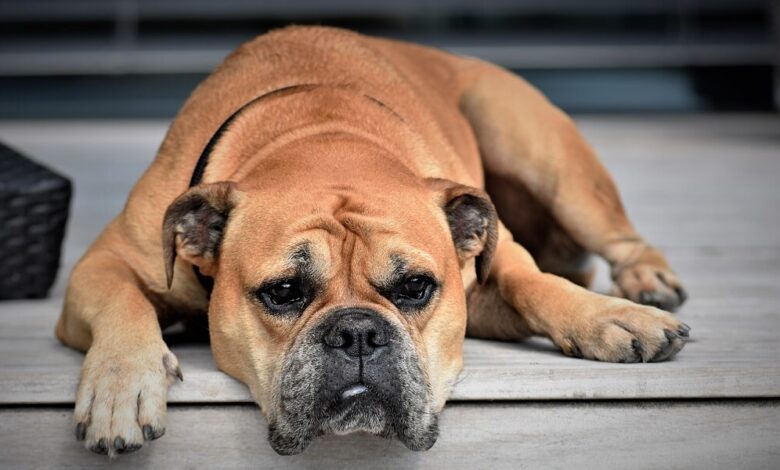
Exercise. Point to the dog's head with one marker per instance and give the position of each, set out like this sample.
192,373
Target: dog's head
338,296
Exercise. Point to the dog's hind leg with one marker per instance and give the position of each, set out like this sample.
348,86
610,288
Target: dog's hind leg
121,398
528,144
538,231
491,317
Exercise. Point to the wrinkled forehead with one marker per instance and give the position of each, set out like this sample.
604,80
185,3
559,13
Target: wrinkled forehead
324,232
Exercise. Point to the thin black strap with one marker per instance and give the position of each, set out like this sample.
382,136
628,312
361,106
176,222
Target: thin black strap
200,167
203,160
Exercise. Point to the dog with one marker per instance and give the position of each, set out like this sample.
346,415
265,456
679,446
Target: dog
345,210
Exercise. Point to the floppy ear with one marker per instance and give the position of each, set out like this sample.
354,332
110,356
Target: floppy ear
194,224
473,222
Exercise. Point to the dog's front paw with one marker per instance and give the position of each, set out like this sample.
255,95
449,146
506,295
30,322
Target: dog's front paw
647,279
619,331
121,400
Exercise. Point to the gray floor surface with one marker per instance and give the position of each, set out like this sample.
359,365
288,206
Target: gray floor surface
703,188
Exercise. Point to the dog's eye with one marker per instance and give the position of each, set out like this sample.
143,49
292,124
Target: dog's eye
283,296
413,292
286,292
415,287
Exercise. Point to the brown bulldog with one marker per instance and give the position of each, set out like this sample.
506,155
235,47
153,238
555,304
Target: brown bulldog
320,196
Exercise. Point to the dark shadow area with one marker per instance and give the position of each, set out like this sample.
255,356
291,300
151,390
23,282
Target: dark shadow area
675,90
192,331
734,89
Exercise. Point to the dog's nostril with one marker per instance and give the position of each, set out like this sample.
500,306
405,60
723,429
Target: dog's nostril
376,339
357,333
336,338
346,340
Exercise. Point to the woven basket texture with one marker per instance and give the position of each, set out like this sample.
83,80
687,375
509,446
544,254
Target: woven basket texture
33,212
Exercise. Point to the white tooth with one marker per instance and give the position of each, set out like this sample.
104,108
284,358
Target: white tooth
353,390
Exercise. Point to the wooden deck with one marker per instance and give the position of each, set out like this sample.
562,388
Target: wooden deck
703,188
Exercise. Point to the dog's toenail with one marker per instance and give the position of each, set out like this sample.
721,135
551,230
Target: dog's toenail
171,367
132,448
670,335
119,445
653,299
681,294
81,431
638,349
151,434
100,447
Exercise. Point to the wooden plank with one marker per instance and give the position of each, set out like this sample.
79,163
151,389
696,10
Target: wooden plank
695,181
566,435
731,356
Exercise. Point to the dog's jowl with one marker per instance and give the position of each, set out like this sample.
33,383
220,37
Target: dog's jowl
345,210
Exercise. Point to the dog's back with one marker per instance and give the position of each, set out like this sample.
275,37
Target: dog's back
421,84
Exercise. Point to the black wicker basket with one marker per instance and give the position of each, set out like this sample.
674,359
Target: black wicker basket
33,211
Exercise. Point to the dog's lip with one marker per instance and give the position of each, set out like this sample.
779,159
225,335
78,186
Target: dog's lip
352,391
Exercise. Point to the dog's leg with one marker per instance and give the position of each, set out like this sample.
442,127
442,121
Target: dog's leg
121,398
539,232
527,142
518,300
491,317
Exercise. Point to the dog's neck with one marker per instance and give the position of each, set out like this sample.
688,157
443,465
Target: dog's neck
265,127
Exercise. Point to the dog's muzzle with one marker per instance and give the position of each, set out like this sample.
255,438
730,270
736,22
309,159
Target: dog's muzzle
358,351
354,371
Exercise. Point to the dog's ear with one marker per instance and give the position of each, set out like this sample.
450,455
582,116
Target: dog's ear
473,222
194,224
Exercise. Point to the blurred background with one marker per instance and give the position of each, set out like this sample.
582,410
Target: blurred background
141,58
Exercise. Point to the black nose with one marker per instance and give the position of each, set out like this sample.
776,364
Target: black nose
357,332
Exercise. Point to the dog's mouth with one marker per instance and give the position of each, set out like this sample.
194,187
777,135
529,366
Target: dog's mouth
364,412
357,409
322,391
